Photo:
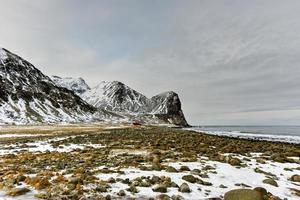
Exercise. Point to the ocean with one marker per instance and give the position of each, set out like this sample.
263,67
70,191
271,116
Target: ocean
290,134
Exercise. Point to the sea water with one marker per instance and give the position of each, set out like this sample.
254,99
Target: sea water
290,134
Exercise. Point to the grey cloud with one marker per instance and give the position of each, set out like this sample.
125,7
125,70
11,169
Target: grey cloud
232,62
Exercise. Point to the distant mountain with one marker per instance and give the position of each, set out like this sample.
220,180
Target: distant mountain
167,106
28,96
78,85
119,98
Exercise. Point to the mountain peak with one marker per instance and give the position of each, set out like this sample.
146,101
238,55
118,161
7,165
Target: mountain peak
3,54
78,85
29,96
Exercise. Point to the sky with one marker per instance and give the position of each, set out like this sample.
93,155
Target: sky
232,62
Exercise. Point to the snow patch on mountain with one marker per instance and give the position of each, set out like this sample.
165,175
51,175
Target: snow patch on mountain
126,103
78,85
29,96
118,97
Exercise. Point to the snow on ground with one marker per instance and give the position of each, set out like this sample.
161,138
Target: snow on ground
27,196
45,145
222,173
18,135
226,175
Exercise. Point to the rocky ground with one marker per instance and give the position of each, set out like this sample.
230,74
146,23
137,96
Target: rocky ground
97,162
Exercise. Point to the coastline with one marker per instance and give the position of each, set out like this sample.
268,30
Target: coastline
293,139
128,158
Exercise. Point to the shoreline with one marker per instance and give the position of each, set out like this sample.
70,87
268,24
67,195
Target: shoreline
288,139
113,161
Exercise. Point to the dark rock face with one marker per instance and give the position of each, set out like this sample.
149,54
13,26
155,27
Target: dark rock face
27,95
167,106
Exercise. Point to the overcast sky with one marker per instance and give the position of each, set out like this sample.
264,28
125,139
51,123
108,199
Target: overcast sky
231,61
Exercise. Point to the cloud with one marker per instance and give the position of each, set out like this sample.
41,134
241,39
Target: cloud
229,60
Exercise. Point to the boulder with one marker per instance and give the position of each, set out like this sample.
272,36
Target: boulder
160,188
243,194
270,182
184,188
171,169
190,178
295,178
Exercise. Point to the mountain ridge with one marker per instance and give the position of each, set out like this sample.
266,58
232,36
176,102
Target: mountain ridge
28,96
117,97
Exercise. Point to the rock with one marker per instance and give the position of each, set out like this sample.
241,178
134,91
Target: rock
111,180
160,188
196,172
295,178
243,194
71,186
242,185
257,170
135,183
162,197
75,180
171,169
184,188
261,160
126,181
43,195
121,193
145,183
173,184
101,188
177,197
190,178
287,169
184,168
20,178
17,191
155,179
295,191
235,161
132,189
222,186
156,167
270,182
262,191
204,182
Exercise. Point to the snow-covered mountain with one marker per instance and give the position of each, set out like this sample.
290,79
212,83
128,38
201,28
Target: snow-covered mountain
118,98
29,96
78,85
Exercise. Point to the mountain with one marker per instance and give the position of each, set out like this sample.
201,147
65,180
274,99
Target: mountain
78,85
29,96
118,98
167,106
